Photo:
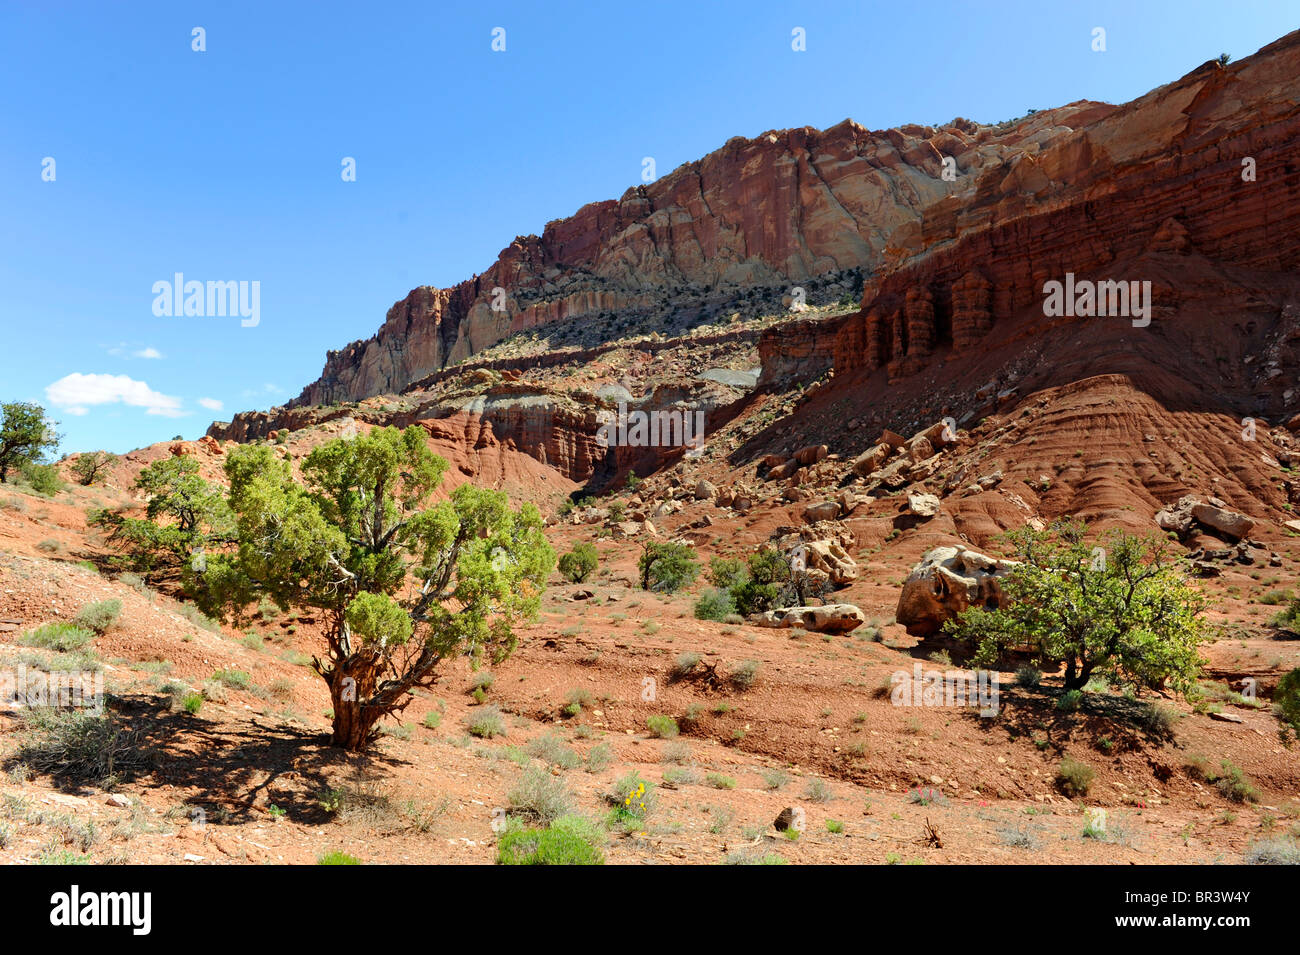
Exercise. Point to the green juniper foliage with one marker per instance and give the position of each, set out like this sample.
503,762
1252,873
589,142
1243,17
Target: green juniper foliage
1127,611
402,583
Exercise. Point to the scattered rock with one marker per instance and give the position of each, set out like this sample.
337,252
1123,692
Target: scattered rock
831,618
823,511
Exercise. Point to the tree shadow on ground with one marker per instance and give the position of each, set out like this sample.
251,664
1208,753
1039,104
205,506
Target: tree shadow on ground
1033,713
230,771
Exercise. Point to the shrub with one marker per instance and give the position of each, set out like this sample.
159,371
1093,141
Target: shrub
714,605
580,563
1276,851
1028,676
1287,697
84,747
337,858
486,723
818,791
667,567
719,781
1070,701
752,597
685,664
192,702
744,674
727,572
43,478
60,637
599,757
663,727
539,795
633,800
1074,778
568,840
551,749
233,679
1160,719
1234,783
774,778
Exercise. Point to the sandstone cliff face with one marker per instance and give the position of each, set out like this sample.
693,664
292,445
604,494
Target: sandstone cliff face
798,206
1116,198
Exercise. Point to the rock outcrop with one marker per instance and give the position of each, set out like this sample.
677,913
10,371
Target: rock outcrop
945,582
806,208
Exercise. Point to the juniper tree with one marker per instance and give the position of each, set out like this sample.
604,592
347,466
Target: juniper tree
1123,609
402,583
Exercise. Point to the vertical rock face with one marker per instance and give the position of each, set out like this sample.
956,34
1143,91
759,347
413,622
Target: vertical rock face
1161,175
791,207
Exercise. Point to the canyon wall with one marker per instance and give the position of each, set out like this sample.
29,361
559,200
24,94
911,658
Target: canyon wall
764,213
1205,165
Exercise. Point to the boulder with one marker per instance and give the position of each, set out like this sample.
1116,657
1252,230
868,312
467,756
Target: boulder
822,511
1177,517
1222,520
811,454
783,471
870,460
923,505
831,618
919,449
705,490
894,441
832,559
945,582
938,434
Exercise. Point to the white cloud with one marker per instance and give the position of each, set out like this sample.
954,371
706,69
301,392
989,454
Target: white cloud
212,404
122,350
76,393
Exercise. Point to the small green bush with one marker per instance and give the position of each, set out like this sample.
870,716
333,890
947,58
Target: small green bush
539,795
98,616
1074,778
486,722
337,858
569,840
233,679
714,605
664,727
580,563
61,637
1028,676
1070,701
744,674
1287,697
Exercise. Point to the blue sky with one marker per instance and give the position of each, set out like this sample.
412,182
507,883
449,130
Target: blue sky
224,165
